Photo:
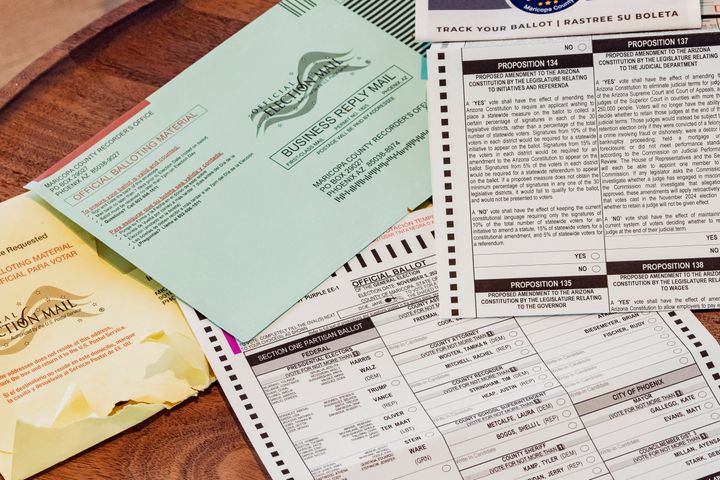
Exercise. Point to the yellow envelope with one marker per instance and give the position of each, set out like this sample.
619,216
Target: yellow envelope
89,346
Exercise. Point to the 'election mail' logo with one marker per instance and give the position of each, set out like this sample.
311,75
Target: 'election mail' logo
543,6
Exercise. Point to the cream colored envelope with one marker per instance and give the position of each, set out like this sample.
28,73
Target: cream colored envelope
89,346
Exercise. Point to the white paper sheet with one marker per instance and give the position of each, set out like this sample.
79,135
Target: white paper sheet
361,379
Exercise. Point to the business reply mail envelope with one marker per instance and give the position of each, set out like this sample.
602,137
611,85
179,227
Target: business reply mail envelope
253,175
88,346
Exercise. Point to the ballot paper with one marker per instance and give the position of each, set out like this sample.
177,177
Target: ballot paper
467,20
362,379
248,179
89,346
582,177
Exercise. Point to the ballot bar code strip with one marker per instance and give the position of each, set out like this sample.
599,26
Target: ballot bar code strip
394,18
612,268
214,337
709,365
409,245
447,181
557,381
297,7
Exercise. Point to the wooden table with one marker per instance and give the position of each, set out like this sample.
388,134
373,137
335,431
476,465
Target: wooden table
60,101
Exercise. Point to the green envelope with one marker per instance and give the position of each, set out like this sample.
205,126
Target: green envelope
253,175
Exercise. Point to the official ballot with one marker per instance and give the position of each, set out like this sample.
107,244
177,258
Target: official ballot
89,346
469,20
582,177
254,174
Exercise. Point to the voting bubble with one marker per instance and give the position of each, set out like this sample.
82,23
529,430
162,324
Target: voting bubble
708,405
412,409
684,360
591,459
537,368
596,268
597,470
651,320
395,383
518,343
584,448
543,376
379,354
566,413
513,334
677,351
582,47
525,351
658,328
549,385
572,425
429,435
561,401
671,344
702,394
446,468
664,336
715,416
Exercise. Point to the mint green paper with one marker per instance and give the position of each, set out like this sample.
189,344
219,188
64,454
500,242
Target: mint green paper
209,189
